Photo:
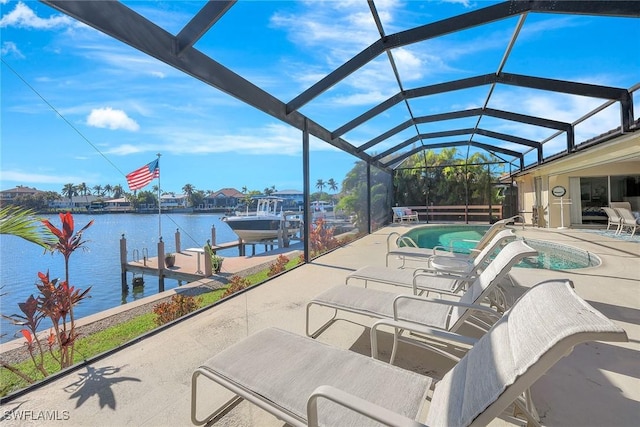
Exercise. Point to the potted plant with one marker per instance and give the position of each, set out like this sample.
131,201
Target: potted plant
169,260
216,262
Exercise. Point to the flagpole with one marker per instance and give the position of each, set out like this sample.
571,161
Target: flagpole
159,203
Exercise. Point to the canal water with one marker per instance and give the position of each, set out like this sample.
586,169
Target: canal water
98,265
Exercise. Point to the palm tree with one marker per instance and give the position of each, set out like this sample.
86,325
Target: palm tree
244,189
333,185
97,190
188,189
83,189
118,191
70,190
108,189
320,186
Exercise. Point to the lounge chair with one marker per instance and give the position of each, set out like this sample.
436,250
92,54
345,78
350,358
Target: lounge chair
447,315
405,248
613,219
628,221
305,382
425,279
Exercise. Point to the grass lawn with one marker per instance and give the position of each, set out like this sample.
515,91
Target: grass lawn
111,337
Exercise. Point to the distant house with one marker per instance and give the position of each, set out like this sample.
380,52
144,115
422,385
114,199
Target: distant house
7,196
76,202
295,195
225,198
294,199
121,204
171,201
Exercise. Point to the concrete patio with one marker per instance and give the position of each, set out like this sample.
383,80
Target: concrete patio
148,383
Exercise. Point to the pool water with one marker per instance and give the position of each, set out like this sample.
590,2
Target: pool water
551,256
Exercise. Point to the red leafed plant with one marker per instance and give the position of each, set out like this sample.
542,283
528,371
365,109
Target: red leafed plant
55,301
321,238
278,266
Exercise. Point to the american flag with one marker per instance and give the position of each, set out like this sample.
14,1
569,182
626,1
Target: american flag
141,177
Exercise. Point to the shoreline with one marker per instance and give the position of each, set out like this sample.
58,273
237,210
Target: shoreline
15,351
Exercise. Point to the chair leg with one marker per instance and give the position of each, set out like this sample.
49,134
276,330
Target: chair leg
230,404
323,327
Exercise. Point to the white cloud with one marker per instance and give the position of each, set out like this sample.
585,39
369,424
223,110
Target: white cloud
21,178
269,139
23,16
112,119
10,48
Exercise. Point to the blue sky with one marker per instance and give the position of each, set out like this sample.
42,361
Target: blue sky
78,106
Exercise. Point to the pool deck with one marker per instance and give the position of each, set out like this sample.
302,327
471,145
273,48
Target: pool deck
148,383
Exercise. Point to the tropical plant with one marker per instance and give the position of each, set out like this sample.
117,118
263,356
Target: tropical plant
178,306
321,238
237,283
216,260
70,190
278,266
68,242
56,301
118,191
333,185
320,184
197,198
188,190
22,223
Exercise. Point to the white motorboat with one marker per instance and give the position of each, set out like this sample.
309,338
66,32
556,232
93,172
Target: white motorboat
266,222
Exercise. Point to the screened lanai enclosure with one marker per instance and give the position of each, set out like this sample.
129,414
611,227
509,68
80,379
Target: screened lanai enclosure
433,103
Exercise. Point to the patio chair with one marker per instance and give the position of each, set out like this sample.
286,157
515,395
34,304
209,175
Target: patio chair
405,248
628,221
303,382
426,279
613,219
402,214
447,315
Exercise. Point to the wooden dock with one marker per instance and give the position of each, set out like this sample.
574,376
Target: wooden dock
189,264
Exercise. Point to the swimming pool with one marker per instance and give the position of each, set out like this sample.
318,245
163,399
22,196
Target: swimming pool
459,238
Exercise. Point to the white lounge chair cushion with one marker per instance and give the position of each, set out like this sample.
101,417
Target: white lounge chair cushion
286,368
379,304
523,337
402,277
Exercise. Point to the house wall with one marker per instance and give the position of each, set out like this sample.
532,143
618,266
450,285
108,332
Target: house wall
619,157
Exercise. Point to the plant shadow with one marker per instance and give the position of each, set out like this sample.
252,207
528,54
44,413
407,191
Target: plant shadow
97,381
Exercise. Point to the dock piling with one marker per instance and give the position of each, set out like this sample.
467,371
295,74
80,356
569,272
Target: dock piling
161,265
123,263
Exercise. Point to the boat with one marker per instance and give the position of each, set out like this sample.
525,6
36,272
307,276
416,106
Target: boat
266,221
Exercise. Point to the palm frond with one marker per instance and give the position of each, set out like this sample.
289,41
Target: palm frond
23,223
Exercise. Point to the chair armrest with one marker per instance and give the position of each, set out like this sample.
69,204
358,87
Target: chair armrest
439,274
473,307
461,280
418,329
356,404
453,241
